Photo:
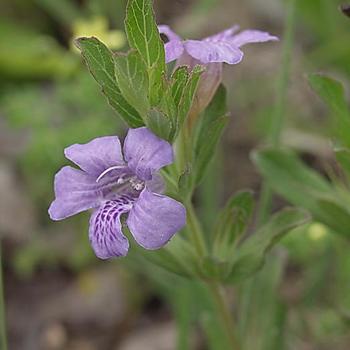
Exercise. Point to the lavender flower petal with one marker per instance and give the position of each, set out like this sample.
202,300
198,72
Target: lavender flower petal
146,153
251,36
221,47
166,30
156,184
225,34
216,51
97,155
105,231
154,219
174,48
75,192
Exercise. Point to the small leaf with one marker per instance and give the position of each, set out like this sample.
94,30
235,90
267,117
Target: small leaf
232,223
185,185
332,93
177,100
289,177
188,94
335,215
143,35
132,79
213,268
250,254
100,62
159,123
178,82
209,131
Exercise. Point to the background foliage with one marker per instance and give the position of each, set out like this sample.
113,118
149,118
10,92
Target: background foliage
48,100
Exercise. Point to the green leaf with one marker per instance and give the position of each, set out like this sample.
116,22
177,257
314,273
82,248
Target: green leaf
232,223
143,35
159,123
185,184
332,93
179,80
188,94
132,79
100,62
209,131
304,187
177,100
250,254
335,215
289,177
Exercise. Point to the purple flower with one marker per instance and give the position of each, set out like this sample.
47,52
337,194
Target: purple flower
223,47
113,185
211,52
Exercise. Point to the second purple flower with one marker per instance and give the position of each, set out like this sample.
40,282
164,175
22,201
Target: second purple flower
211,52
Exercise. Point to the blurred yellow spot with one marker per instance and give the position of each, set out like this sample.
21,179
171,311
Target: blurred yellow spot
98,27
87,283
317,231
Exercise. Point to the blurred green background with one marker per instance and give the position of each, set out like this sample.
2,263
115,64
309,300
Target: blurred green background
58,295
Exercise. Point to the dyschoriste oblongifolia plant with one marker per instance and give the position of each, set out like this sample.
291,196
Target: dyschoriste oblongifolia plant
142,189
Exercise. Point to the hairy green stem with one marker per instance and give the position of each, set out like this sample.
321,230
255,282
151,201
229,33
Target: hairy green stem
280,105
3,341
183,144
196,234
197,238
182,153
215,289
224,314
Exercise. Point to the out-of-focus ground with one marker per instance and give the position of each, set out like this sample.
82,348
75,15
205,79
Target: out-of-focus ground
58,295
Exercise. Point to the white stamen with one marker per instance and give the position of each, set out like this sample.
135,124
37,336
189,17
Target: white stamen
138,187
136,184
110,169
120,181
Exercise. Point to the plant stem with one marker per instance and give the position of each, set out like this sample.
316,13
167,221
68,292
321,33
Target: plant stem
278,115
195,230
224,314
3,341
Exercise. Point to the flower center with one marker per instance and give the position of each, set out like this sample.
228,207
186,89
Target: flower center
104,173
120,180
